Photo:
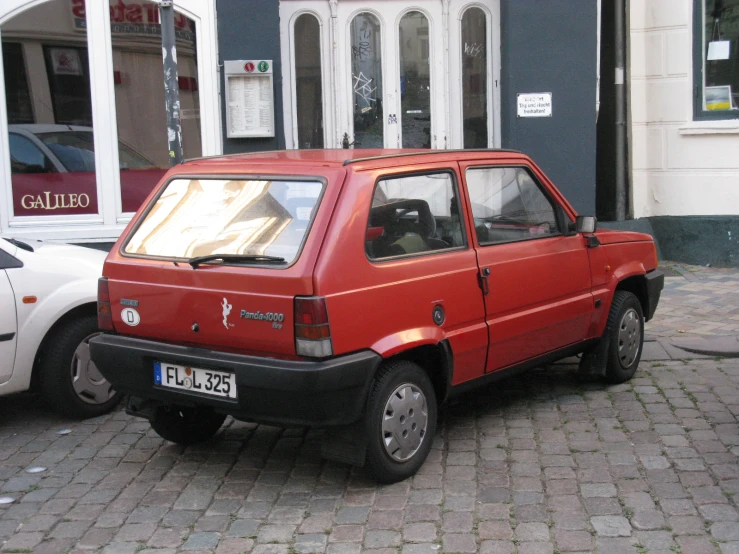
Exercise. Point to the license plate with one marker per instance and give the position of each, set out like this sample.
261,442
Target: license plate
193,379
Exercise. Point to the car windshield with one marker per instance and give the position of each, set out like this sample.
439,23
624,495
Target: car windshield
202,217
76,151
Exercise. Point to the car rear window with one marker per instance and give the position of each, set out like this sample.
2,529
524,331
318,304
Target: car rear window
201,217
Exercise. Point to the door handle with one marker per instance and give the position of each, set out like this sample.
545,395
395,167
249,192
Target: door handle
483,277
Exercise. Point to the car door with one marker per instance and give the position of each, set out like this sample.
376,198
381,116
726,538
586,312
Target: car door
8,319
537,275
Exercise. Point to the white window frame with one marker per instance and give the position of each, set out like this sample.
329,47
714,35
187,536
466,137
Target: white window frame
110,221
344,73
435,107
289,81
457,10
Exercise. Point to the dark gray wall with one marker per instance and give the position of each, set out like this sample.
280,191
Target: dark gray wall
250,30
550,46
546,46
690,239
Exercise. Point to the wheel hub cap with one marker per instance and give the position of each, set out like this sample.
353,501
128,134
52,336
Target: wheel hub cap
629,338
404,422
89,384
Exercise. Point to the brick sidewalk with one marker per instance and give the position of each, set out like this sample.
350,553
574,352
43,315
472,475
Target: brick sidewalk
535,465
697,300
699,309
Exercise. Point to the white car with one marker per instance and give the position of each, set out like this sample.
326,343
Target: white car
48,313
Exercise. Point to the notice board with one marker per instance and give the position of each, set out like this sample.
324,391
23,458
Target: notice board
250,99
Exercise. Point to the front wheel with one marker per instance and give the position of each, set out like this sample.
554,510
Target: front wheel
400,421
626,333
186,425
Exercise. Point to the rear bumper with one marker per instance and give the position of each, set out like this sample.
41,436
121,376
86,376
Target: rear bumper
655,284
282,392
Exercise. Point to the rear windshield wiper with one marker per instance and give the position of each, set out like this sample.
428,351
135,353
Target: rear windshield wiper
231,258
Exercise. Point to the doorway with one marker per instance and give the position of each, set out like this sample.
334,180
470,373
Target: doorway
381,74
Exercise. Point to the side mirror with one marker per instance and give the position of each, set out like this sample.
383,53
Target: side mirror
586,224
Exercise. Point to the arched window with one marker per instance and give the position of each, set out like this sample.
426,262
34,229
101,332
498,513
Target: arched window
474,79
415,80
308,81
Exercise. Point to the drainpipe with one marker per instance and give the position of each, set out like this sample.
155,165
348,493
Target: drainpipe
619,28
171,86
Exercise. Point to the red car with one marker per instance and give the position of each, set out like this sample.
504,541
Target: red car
359,289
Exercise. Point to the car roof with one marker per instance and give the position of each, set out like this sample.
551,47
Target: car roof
360,157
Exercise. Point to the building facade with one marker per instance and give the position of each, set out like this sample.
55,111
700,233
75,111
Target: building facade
82,99
685,126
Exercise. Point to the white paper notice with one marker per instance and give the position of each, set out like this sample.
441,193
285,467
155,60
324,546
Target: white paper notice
718,50
250,105
537,104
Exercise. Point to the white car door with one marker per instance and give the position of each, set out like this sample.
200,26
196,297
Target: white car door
8,320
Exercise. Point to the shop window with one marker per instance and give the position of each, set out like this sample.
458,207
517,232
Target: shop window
68,73
143,146
308,81
716,59
50,134
415,80
474,79
366,55
16,84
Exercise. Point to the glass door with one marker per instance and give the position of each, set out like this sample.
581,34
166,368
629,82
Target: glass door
474,52
390,74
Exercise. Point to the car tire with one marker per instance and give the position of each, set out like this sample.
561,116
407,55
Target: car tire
69,381
625,328
186,426
400,421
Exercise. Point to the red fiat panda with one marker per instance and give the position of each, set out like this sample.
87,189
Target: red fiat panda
358,289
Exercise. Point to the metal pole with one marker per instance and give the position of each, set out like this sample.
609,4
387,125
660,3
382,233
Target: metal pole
620,98
171,86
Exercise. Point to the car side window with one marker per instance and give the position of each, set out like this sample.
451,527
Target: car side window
412,214
26,157
508,205
7,261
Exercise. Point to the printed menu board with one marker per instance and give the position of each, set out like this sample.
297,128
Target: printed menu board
249,98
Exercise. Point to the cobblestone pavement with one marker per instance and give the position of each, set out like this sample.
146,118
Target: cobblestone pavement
697,300
536,464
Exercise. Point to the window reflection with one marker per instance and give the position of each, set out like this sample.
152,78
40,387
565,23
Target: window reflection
139,95
508,205
50,137
474,79
415,80
308,87
208,216
366,55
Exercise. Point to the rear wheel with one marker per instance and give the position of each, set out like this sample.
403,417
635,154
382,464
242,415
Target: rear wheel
626,329
70,382
186,425
400,421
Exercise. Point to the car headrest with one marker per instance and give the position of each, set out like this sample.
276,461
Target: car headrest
386,215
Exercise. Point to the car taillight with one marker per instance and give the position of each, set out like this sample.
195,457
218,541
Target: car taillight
105,315
312,332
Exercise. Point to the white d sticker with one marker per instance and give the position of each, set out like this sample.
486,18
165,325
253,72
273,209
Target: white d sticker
130,317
